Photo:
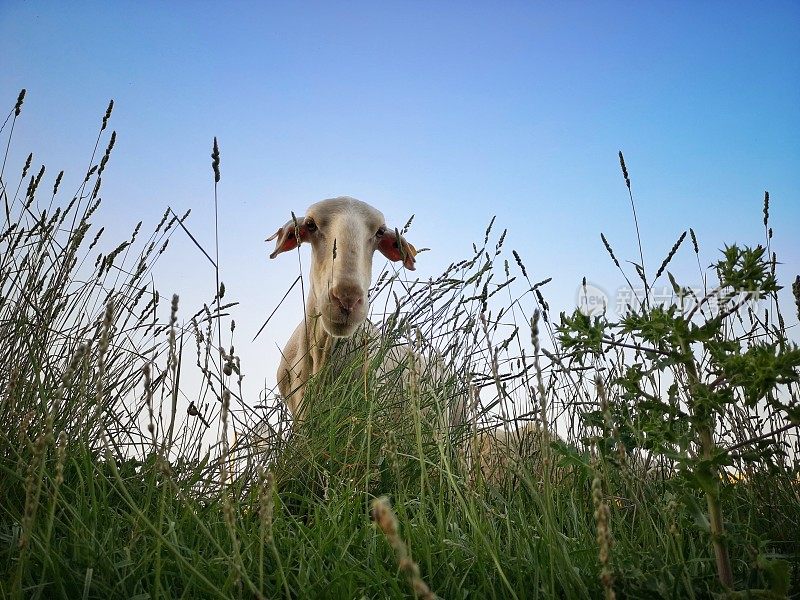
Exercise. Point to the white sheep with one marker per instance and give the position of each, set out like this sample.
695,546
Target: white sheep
498,451
344,233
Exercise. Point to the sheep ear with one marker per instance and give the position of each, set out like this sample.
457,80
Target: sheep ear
287,237
395,247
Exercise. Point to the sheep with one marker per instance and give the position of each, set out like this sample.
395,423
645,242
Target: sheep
344,234
497,451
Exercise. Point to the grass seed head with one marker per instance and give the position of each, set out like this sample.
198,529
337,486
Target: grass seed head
107,116
604,539
385,519
27,165
61,451
32,489
215,161
609,250
670,255
107,155
266,507
694,241
624,170
519,263
20,100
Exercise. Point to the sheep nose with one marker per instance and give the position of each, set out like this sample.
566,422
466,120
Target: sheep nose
348,298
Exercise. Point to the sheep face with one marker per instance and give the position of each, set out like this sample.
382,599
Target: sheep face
344,234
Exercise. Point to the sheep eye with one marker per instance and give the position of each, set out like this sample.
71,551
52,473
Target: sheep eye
380,232
311,227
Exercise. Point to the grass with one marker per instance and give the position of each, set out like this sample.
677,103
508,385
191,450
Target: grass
597,483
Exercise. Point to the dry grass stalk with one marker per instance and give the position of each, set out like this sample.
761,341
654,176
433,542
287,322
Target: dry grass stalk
148,392
172,365
266,503
537,350
227,503
224,414
385,518
602,516
33,486
605,408
102,350
61,452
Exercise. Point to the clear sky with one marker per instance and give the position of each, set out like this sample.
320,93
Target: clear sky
454,111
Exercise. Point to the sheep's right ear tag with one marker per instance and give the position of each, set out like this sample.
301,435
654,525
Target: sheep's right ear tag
395,247
409,260
287,239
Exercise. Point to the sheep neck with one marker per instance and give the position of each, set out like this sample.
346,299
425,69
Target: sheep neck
318,341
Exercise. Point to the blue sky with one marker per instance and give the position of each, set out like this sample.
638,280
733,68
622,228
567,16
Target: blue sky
454,111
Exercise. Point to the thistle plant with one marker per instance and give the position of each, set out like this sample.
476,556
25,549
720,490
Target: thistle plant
685,368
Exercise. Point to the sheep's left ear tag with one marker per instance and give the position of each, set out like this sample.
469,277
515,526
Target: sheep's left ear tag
286,237
390,246
410,257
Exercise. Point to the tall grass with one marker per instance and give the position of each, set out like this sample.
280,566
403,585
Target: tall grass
575,474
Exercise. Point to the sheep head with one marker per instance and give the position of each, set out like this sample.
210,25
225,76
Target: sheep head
344,234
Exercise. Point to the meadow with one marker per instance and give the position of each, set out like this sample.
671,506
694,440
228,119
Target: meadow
652,456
